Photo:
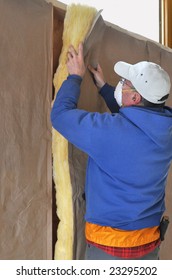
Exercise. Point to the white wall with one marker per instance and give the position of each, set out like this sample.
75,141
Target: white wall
139,16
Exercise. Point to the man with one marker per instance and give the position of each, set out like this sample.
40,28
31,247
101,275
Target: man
130,152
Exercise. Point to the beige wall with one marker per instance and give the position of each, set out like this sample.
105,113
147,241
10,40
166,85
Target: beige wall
25,140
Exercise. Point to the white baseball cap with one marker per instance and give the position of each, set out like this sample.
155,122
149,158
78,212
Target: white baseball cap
149,79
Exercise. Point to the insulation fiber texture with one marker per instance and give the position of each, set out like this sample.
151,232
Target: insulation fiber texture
77,23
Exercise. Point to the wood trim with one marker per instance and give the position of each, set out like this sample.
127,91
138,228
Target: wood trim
166,22
57,4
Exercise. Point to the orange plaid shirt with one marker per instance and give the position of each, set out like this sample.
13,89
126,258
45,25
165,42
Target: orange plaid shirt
123,243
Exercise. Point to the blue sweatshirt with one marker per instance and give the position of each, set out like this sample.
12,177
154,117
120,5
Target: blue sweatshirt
129,157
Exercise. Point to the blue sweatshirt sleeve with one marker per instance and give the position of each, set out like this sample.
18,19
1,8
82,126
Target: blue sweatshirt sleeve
82,128
69,121
107,92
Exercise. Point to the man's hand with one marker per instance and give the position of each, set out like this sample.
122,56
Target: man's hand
75,62
98,75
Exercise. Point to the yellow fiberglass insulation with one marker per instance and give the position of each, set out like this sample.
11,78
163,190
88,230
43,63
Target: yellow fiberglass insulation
77,23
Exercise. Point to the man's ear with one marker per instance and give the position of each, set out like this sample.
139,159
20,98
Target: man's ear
136,98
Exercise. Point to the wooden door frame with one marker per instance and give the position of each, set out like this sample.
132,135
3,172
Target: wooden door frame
166,22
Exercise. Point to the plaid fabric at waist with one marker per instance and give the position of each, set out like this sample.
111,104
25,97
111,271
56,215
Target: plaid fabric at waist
128,252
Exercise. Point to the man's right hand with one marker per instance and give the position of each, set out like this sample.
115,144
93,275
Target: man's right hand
98,75
75,62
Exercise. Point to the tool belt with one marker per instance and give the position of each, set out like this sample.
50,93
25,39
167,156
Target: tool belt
163,227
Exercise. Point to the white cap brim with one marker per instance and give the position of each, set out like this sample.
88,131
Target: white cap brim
122,69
